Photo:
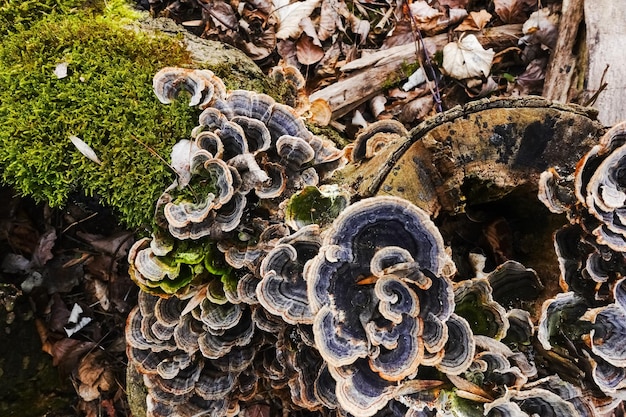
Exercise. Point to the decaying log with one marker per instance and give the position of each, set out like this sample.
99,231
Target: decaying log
562,82
369,74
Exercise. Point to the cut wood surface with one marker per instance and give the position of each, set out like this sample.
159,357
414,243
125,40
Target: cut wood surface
368,75
606,42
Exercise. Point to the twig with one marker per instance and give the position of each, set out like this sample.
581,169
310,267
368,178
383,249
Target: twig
422,54
603,86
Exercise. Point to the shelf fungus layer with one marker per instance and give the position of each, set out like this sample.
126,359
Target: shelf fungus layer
601,186
382,304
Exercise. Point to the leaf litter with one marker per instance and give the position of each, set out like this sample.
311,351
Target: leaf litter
71,269
321,37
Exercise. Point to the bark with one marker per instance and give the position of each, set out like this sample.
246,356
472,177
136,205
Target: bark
606,42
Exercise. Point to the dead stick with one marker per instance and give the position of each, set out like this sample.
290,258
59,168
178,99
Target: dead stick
370,73
562,64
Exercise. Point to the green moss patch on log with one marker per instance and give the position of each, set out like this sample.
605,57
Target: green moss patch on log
106,100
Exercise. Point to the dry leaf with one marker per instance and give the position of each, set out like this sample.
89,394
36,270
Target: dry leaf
290,15
261,45
330,20
377,104
541,28
359,27
307,51
482,89
402,34
475,21
43,251
223,16
466,58
95,376
415,79
513,11
531,80
85,149
417,109
423,12
462,4
287,50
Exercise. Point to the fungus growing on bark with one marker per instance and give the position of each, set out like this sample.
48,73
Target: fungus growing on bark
474,301
282,290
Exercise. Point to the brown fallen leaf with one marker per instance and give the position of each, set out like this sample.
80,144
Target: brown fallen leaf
95,376
65,352
307,51
330,20
454,3
417,109
513,11
475,21
43,251
290,15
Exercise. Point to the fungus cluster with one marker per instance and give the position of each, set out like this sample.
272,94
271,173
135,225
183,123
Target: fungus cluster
265,284
590,314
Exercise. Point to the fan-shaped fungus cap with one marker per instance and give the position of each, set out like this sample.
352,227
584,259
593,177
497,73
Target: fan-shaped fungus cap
473,301
556,314
363,228
374,137
202,85
512,282
530,403
282,290
557,197
380,312
601,185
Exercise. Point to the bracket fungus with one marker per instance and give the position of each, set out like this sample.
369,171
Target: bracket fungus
273,280
601,186
382,304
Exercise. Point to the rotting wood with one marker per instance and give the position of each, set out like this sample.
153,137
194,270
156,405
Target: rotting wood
561,82
369,74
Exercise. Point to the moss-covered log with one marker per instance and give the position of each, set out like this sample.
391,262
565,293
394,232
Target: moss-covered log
105,99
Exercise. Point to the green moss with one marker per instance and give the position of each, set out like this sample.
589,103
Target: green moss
406,69
18,15
106,100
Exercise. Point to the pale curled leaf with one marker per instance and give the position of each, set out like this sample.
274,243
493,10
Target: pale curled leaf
466,58
415,79
85,149
330,20
290,15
